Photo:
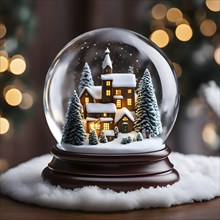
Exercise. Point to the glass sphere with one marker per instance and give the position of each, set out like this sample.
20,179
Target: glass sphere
129,52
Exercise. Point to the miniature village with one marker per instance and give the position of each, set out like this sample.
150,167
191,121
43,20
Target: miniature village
118,108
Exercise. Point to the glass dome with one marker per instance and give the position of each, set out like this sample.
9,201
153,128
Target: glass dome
129,52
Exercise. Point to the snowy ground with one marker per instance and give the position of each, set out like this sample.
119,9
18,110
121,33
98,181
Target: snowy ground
199,181
115,146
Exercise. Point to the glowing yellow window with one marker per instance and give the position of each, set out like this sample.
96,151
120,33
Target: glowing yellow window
104,114
118,103
125,118
106,126
108,92
118,92
129,90
108,83
129,102
86,99
97,126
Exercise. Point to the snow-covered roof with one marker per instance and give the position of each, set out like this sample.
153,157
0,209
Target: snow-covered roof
100,107
91,119
94,91
109,132
121,79
121,112
106,119
107,61
118,97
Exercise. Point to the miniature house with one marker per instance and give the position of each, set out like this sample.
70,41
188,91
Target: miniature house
111,104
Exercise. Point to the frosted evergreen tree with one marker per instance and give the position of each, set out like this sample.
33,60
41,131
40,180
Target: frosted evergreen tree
124,141
103,139
129,139
130,69
147,111
86,79
73,130
139,137
93,138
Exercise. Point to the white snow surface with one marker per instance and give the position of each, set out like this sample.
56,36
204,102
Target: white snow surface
100,107
199,181
115,146
121,79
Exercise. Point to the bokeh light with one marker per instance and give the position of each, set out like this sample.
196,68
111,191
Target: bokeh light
17,64
208,27
3,62
184,32
209,134
178,69
217,55
4,125
159,11
2,30
160,38
13,97
174,14
27,101
213,5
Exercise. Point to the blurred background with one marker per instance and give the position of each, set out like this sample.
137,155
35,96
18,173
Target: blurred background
32,32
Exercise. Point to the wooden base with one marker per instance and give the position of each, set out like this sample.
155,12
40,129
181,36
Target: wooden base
120,172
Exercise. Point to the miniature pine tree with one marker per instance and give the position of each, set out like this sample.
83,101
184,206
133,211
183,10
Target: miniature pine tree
139,137
73,130
130,69
93,138
124,141
116,131
147,111
103,138
129,139
86,78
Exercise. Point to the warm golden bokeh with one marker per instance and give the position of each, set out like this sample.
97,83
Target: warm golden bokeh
174,14
209,133
160,38
217,55
3,63
208,27
13,97
178,69
2,30
159,11
17,64
213,5
4,125
184,32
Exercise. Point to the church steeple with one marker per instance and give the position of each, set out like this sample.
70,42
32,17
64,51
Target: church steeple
107,63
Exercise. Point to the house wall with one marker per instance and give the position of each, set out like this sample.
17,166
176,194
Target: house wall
120,125
126,95
82,100
105,98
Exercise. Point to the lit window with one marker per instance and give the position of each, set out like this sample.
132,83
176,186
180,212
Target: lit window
104,114
106,126
129,90
125,118
108,92
129,102
97,126
118,92
86,99
108,83
118,103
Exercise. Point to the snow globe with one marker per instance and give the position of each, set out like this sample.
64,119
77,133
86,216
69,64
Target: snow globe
111,100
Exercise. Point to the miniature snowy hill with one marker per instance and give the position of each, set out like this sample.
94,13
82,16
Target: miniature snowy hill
115,146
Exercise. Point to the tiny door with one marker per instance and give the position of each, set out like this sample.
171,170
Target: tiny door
125,127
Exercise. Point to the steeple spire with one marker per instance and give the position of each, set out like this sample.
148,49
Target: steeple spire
107,63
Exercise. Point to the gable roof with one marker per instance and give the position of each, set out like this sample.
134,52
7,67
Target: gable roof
121,79
121,112
100,107
94,91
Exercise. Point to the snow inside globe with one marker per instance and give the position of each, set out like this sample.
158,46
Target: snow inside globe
111,90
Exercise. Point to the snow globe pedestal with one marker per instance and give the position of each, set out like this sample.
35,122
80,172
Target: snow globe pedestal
111,100
120,172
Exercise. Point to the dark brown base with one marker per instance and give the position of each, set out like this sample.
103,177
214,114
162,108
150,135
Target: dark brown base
120,172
